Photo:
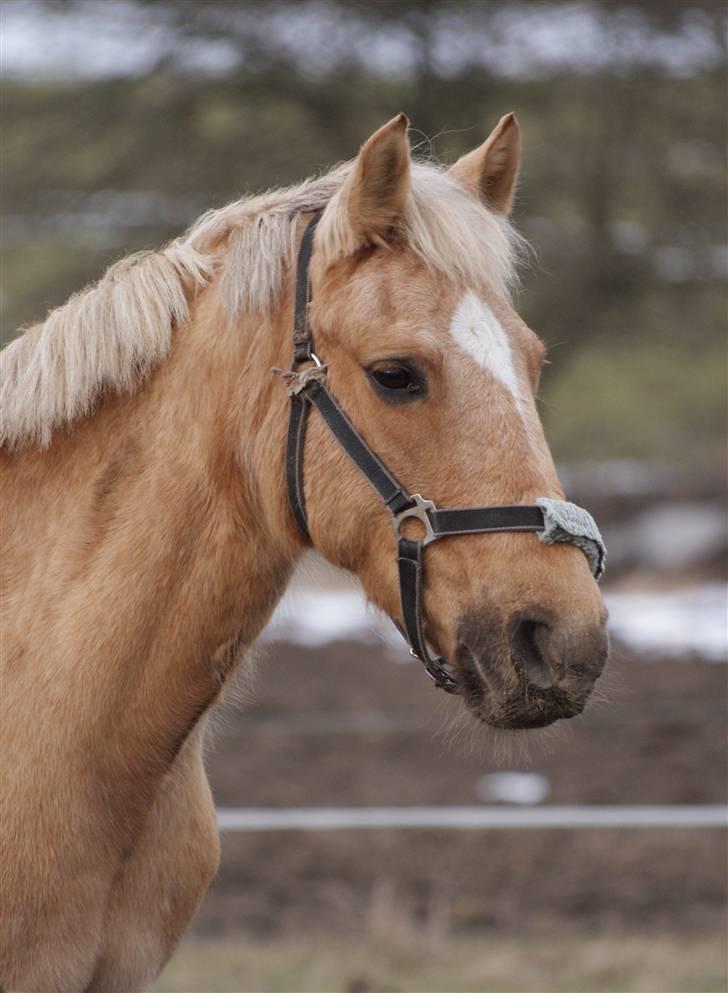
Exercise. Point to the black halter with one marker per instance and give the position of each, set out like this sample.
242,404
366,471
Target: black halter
307,388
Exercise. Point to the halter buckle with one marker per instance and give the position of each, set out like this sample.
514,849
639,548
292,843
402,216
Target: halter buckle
420,510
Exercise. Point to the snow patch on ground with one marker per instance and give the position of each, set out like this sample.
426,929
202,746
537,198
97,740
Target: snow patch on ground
513,787
318,617
673,622
691,621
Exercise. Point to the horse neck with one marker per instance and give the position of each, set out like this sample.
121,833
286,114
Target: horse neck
161,522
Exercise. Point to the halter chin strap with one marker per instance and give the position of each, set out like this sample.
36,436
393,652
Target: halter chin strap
552,519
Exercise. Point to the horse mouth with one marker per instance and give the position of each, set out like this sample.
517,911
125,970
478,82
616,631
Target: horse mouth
508,702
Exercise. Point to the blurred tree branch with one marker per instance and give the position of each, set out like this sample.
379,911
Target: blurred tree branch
623,185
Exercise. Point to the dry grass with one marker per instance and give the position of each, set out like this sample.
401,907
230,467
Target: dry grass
599,964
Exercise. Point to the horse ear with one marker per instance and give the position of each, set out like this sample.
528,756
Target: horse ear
379,183
490,171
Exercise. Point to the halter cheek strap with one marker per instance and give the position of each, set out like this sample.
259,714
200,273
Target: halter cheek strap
553,520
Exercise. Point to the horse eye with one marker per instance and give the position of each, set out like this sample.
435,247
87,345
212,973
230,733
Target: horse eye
394,377
397,381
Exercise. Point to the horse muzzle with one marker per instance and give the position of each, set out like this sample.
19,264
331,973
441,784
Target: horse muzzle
530,670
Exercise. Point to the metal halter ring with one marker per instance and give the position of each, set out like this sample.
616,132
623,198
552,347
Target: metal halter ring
421,512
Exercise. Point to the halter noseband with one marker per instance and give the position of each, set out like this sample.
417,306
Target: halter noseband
307,388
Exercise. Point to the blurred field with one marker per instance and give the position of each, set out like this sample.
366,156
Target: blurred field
415,911
596,964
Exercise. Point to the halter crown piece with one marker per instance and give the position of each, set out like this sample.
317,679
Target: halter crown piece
553,520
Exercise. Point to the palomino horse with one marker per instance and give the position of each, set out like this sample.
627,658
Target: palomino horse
148,535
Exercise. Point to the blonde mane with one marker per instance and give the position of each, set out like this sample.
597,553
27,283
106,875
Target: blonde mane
110,335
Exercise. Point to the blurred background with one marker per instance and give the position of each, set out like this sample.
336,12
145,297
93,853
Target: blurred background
122,121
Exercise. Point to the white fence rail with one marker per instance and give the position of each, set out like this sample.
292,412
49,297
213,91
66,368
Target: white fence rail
479,818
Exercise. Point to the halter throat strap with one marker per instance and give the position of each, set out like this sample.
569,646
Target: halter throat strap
307,389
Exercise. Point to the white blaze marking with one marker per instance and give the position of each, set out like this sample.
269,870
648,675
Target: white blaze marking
478,332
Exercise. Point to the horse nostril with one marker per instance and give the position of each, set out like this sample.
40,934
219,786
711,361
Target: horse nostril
528,640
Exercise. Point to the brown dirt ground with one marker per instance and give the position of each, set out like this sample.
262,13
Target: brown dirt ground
343,725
